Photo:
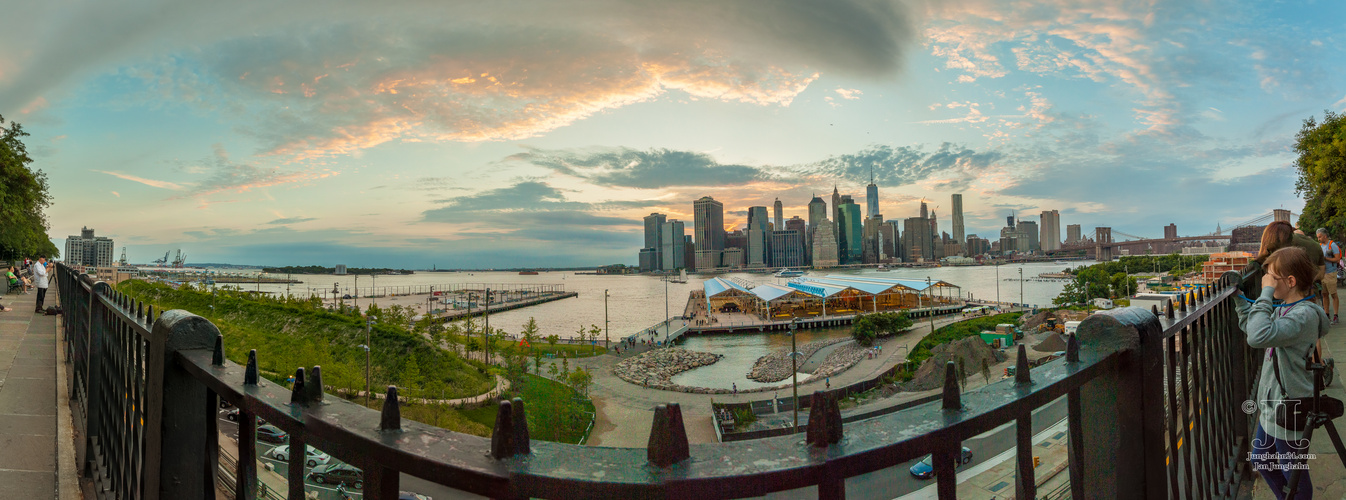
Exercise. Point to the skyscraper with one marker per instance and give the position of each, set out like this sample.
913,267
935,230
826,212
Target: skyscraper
708,224
1072,234
824,244
925,212
871,196
787,249
849,245
958,217
1031,231
88,250
836,213
778,222
674,245
1050,235
654,224
758,237
916,240
817,214
892,243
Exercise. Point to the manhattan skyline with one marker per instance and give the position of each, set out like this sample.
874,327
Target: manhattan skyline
412,134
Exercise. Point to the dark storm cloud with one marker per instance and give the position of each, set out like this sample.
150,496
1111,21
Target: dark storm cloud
655,168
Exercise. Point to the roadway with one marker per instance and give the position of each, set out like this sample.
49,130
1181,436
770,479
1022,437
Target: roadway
328,491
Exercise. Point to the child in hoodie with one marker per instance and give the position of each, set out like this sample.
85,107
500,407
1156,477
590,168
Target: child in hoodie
1288,331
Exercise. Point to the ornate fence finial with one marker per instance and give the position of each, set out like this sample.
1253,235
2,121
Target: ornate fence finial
298,390
250,373
392,412
1072,348
502,435
522,443
824,427
952,394
217,358
1021,375
668,437
314,386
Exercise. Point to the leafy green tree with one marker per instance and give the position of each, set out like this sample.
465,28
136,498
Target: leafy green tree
23,199
1321,165
411,372
863,329
986,370
552,340
581,379
594,332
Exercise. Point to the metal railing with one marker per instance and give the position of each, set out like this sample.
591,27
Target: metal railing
154,383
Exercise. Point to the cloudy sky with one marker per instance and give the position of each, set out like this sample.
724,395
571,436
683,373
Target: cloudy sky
531,133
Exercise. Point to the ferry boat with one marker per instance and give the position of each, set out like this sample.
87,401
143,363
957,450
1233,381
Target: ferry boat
789,273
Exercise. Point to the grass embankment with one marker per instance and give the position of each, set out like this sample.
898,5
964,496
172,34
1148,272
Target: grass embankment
958,331
555,411
288,335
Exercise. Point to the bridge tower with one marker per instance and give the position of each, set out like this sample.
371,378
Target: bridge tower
1103,244
1280,214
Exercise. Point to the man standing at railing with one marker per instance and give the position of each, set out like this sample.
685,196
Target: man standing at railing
40,281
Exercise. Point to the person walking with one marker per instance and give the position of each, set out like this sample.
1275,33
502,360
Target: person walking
1289,332
1332,262
40,281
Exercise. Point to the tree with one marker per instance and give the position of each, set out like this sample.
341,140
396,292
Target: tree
986,370
580,379
1322,173
23,199
594,332
962,372
863,329
552,340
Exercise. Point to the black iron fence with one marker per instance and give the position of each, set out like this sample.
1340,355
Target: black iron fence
148,389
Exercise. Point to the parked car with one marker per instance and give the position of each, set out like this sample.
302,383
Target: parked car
345,474
272,434
407,495
314,458
924,469
231,415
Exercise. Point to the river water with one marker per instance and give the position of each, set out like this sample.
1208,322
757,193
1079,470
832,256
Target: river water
638,302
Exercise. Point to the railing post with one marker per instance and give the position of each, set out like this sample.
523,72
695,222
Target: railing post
175,437
1123,448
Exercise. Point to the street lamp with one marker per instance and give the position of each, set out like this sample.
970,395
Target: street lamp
794,370
369,326
1021,287
606,343
931,312
997,280
357,292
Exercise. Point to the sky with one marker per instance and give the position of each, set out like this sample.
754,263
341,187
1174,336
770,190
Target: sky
516,133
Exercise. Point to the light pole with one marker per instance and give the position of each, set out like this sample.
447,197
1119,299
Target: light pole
374,288
932,306
487,331
794,370
1021,287
997,281
357,292
606,342
369,326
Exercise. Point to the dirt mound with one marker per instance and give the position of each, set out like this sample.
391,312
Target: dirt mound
972,350
1053,342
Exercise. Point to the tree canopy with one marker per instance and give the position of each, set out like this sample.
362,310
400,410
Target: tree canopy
1322,173
23,199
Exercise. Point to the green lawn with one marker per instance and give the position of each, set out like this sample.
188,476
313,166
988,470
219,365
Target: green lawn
288,335
555,411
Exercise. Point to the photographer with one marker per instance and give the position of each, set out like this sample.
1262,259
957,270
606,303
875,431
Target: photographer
1289,332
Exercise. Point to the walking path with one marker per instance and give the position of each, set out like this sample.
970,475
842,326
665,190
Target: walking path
625,411
28,397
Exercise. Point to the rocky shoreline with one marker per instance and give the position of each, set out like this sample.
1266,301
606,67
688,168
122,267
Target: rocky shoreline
655,368
775,367
841,359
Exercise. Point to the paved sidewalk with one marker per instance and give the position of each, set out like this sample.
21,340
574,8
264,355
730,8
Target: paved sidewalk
28,462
